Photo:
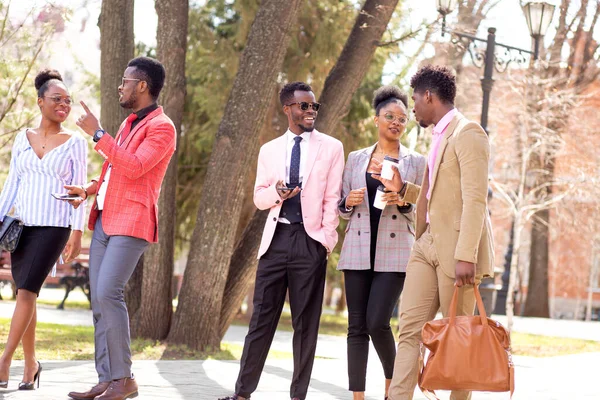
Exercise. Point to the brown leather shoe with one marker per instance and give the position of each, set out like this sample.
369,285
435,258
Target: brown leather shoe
92,393
120,389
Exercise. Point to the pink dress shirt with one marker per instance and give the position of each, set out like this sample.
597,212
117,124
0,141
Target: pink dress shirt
438,133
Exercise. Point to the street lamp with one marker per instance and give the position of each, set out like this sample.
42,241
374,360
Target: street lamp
538,15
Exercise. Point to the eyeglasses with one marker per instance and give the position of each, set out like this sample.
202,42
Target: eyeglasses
402,120
57,100
304,105
123,80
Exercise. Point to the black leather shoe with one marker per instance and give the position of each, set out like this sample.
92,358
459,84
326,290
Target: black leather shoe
234,397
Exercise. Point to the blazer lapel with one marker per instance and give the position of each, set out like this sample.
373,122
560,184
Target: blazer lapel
313,151
143,122
449,131
361,171
280,158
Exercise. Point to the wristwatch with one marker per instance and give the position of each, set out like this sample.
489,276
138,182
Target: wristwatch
98,135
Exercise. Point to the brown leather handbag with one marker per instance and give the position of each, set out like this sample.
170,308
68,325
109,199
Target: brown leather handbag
466,353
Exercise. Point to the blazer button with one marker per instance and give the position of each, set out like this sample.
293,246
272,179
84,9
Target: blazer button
274,219
358,215
392,235
358,233
277,201
394,217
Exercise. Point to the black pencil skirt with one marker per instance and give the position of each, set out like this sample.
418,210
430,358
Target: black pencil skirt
37,251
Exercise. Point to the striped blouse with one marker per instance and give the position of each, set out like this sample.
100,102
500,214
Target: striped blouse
31,182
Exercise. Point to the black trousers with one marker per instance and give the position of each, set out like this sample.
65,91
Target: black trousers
296,262
371,298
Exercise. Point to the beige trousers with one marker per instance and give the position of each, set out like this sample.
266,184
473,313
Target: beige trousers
426,289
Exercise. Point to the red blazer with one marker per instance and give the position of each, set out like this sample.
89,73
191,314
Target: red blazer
138,168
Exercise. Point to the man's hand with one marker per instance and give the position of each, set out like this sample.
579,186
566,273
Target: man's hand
286,194
88,122
355,197
465,273
73,247
78,190
393,198
394,184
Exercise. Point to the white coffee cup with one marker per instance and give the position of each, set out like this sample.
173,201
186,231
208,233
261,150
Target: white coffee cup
378,202
386,169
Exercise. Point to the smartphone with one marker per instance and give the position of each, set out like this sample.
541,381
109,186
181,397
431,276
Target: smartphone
66,196
285,189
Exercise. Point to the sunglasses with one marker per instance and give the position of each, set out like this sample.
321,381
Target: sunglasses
124,80
304,105
57,100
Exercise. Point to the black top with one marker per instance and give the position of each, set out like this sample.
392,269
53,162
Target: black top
143,113
374,213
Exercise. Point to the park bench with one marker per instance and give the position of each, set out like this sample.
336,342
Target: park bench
72,275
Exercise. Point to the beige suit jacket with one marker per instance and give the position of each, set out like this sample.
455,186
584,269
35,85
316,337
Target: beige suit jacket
458,216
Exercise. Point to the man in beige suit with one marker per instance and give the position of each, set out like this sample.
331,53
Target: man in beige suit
454,244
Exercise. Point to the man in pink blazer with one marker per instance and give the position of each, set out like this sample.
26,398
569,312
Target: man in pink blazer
299,179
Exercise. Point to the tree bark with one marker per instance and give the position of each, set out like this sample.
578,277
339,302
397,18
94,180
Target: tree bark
241,269
537,303
153,319
116,49
353,63
196,321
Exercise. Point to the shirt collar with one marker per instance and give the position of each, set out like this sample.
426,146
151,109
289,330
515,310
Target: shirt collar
443,123
143,113
291,135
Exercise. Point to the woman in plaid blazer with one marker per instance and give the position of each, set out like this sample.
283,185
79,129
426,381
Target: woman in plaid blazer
378,242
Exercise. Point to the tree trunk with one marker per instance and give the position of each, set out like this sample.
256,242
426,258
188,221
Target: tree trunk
154,317
241,269
537,303
116,49
353,63
197,320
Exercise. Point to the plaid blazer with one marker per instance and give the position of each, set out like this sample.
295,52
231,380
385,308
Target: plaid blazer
139,165
396,233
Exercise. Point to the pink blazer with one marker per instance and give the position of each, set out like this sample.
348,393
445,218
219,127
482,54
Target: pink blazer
320,188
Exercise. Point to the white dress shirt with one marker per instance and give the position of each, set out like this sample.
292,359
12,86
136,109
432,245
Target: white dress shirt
288,159
303,153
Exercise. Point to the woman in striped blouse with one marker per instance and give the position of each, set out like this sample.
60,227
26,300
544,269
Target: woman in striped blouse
44,160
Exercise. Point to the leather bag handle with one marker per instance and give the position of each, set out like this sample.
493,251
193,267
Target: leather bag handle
454,305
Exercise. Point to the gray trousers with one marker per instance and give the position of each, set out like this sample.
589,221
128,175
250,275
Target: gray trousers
112,261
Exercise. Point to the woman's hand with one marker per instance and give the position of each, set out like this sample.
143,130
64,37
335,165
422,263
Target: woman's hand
355,197
392,198
73,247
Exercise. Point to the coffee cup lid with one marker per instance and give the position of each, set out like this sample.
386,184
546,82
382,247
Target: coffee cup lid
390,158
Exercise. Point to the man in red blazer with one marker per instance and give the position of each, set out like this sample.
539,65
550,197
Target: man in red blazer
124,217
299,179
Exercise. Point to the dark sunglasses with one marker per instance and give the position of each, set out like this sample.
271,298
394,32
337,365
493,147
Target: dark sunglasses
304,105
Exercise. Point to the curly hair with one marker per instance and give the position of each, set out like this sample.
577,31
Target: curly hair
386,95
438,79
152,71
44,79
286,94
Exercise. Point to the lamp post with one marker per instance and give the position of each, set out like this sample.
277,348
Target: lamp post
538,15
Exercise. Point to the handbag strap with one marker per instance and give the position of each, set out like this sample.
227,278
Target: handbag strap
454,305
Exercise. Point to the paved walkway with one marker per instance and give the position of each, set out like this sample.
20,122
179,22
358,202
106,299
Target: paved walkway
556,378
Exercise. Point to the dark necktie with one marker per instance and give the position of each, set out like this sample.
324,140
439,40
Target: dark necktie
127,129
295,163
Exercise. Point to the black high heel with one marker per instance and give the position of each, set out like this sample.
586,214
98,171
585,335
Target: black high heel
36,377
3,384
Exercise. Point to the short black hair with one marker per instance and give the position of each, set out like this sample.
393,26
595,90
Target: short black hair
386,95
45,78
438,79
286,94
151,71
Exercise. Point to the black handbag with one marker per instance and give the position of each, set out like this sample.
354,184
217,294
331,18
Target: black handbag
10,232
